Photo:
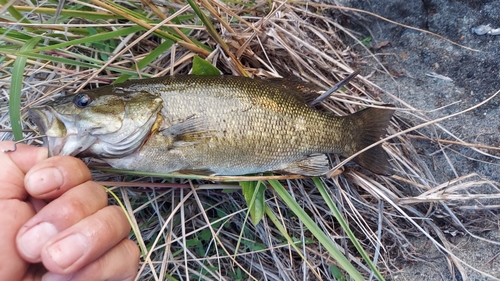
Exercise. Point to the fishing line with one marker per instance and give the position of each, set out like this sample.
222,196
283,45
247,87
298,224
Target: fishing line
19,141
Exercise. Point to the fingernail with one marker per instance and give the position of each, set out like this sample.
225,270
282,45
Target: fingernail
49,276
31,242
67,251
44,181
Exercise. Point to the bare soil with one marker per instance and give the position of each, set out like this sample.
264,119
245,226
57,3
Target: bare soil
410,56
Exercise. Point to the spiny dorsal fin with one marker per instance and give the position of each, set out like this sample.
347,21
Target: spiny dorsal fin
301,90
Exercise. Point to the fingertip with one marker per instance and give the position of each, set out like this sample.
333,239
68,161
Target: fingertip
132,250
133,254
54,176
119,263
87,240
31,241
44,181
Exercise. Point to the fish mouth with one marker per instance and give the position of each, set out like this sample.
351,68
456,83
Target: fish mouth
52,129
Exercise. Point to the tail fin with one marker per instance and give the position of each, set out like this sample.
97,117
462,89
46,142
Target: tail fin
372,123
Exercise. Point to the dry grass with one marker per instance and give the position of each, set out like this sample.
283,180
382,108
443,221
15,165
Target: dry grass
198,229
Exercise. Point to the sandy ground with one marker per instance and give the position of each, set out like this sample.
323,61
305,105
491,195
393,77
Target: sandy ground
468,77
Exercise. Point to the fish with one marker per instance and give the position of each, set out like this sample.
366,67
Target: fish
216,125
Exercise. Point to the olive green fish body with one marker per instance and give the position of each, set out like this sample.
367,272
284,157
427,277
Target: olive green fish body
222,125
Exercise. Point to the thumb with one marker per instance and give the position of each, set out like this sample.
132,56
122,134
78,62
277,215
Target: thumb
14,211
14,165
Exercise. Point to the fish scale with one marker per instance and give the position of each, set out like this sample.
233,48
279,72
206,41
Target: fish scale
223,125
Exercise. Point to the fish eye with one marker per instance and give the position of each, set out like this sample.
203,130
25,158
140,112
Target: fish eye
82,100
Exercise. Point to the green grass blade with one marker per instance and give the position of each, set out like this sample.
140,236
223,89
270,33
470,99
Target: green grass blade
215,34
158,51
14,35
88,15
94,63
208,24
345,226
195,46
283,231
14,12
316,231
103,36
124,9
16,86
254,197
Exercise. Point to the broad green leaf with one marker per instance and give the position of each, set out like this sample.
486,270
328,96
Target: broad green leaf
203,67
253,191
16,86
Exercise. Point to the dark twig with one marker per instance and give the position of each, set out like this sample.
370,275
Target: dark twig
334,88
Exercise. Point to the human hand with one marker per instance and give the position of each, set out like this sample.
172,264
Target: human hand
55,223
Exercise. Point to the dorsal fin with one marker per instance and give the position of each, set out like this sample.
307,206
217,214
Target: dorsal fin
304,91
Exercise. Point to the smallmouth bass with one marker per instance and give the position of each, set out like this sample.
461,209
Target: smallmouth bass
220,125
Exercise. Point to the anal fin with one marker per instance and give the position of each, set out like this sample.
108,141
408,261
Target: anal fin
312,165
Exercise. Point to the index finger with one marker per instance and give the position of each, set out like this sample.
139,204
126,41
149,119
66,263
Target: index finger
56,175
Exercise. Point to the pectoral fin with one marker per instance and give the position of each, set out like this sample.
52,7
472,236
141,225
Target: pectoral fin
312,165
189,131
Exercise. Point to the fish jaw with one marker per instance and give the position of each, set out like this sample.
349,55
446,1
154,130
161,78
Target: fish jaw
59,133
